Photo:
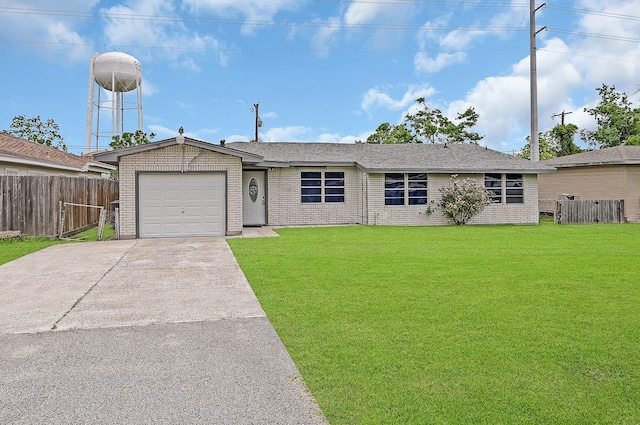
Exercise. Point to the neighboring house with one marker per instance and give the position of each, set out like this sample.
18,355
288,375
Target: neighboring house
19,157
194,188
611,173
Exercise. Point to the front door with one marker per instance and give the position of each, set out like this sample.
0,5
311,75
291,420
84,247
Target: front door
254,198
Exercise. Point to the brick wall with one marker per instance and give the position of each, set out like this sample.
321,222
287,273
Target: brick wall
414,215
180,158
286,209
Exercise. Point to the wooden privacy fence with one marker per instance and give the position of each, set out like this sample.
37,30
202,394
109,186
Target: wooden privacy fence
589,212
31,204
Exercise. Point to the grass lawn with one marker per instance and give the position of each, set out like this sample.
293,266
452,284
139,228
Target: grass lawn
13,248
458,325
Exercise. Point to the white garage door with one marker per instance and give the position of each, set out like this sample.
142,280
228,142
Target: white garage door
188,204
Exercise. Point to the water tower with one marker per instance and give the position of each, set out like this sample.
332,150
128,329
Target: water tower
115,74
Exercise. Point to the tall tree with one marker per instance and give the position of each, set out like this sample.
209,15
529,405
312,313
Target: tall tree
45,133
547,150
391,134
615,117
130,139
561,137
431,126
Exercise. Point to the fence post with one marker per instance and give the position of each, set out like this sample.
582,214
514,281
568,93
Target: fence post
116,212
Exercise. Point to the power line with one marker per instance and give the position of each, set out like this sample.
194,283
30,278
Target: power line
589,56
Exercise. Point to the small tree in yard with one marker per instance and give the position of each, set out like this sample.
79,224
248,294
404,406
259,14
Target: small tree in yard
463,199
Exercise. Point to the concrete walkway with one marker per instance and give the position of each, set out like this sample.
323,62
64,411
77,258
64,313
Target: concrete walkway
141,331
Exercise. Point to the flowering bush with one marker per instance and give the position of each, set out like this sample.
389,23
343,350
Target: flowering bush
463,199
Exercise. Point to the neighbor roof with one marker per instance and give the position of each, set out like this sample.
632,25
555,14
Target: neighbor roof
437,158
20,151
619,155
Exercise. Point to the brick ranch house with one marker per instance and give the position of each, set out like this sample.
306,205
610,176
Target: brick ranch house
187,187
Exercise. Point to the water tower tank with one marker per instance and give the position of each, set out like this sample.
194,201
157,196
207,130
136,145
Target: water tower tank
117,71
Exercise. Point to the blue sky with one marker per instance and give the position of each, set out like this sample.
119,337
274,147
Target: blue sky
322,70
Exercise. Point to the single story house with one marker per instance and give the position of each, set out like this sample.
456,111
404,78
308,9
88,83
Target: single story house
19,157
611,173
187,187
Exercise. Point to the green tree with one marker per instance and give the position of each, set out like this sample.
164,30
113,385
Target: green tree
45,133
463,199
562,137
431,126
391,134
547,150
130,139
615,117
556,142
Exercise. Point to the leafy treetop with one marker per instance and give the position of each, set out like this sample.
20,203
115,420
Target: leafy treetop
130,139
33,129
617,120
429,125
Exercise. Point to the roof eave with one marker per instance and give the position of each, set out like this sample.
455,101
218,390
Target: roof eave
23,161
596,163
458,170
321,164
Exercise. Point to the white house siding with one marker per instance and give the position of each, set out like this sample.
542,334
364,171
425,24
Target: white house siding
179,158
286,209
414,215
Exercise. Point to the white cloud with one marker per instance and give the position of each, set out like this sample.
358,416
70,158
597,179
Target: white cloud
54,35
450,45
177,42
378,98
362,13
325,37
605,60
424,63
257,12
288,134
503,102
148,88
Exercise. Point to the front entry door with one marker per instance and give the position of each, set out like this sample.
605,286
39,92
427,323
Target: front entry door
254,198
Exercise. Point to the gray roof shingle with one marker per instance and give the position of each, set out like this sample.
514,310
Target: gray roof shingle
437,158
15,147
618,155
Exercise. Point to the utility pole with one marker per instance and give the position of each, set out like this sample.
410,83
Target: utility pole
256,107
561,114
535,144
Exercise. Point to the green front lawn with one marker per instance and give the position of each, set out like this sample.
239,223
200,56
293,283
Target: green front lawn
458,325
13,248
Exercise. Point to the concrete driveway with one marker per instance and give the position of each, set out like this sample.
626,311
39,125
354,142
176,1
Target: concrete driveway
144,331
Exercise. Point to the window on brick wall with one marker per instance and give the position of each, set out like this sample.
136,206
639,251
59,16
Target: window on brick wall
505,188
321,186
405,189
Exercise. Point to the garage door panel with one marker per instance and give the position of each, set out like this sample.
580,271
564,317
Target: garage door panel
187,204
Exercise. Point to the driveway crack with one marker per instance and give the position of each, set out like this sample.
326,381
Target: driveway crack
55,325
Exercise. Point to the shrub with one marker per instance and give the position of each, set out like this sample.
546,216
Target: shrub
463,199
